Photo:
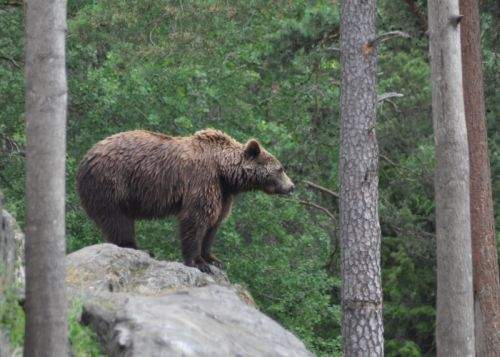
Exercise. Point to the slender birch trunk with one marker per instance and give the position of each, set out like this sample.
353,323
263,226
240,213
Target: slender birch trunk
46,97
455,315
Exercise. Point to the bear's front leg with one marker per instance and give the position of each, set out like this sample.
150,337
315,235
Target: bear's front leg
191,239
208,240
206,248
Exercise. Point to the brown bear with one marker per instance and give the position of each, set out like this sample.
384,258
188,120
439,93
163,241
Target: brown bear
144,175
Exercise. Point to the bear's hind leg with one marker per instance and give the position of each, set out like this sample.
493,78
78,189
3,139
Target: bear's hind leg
191,239
118,229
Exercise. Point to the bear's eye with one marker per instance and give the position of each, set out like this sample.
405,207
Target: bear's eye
280,170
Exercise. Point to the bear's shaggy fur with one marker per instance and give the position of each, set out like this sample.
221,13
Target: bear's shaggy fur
145,175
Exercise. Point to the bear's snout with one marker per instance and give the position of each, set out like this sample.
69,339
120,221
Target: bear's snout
286,185
288,190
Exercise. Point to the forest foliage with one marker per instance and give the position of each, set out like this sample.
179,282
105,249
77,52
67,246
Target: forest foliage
269,70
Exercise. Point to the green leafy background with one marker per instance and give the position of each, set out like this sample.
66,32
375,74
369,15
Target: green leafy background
269,70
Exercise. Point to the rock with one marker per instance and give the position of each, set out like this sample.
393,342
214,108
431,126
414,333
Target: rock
11,252
11,268
106,267
139,306
5,349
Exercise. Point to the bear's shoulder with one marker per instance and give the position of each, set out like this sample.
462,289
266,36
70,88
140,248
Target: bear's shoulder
213,136
137,135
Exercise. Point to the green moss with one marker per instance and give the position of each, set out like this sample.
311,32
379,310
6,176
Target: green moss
12,318
83,340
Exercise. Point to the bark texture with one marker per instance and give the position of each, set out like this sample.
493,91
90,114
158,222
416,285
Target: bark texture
46,98
455,316
484,254
362,328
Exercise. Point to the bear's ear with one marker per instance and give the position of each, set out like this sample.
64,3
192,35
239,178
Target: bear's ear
252,148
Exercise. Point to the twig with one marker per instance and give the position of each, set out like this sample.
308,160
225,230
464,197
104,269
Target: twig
321,208
333,49
386,36
11,145
12,61
12,4
386,158
151,37
386,96
335,239
322,189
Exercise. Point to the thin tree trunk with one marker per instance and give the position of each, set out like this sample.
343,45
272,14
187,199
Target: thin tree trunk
455,315
46,97
484,253
362,327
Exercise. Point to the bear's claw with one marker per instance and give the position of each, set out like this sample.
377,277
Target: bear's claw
213,260
204,267
199,263
218,264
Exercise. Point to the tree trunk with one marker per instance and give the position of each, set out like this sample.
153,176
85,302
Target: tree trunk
484,253
46,98
455,317
362,328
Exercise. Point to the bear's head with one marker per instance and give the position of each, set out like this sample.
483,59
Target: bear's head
263,171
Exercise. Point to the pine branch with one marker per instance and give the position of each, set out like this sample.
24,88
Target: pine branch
322,189
386,96
386,36
11,60
321,208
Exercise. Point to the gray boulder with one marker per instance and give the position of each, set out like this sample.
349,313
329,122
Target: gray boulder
11,268
11,253
139,306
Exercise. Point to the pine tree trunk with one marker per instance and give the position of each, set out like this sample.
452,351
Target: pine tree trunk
362,327
455,316
484,253
46,98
